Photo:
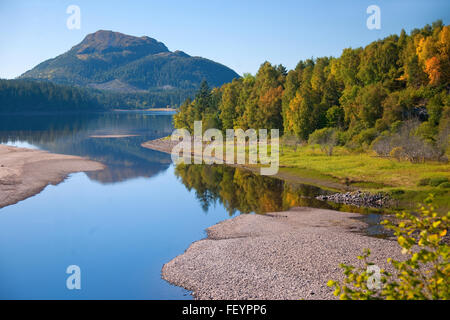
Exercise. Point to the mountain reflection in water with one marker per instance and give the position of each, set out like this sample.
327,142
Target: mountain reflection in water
112,138
115,139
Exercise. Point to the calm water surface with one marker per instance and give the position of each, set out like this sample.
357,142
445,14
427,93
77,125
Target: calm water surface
119,225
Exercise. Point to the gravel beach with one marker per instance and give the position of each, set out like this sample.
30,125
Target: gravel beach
25,172
282,255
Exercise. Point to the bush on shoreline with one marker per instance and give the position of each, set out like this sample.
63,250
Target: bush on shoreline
423,275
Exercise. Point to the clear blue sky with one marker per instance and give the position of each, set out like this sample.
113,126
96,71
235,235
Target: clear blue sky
240,34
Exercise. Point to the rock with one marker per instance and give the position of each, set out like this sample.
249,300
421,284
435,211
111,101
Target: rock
358,198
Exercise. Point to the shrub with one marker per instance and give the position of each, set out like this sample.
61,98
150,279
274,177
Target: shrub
413,148
395,127
291,141
434,182
445,185
365,137
443,138
397,153
396,192
382,145
342,137
326,138
424,275
427,131
381,125
423,182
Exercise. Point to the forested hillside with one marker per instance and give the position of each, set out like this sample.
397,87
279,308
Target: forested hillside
122,63
43,96
21,96
392,95
120,71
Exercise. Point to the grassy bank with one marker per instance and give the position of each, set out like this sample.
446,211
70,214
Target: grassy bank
407,182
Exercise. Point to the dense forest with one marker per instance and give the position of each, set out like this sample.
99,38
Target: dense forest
392,95
24,95
43,96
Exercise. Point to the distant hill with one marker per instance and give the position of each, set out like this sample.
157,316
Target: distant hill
25,95
18,96
113,61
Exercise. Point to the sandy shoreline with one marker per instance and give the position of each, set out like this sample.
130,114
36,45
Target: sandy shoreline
25,172
282,255
162,145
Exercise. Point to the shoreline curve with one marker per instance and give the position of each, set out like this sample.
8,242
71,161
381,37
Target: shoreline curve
26,172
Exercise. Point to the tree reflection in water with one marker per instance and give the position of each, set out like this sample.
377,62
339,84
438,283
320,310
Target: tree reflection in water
240,190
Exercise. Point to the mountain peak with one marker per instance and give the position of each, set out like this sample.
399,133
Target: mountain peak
114,61
181,54
105,41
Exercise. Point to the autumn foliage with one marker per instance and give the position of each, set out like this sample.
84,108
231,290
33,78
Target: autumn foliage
364,94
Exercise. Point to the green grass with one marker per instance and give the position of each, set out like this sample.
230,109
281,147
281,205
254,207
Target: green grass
404,180
309,173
